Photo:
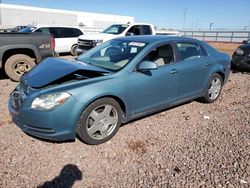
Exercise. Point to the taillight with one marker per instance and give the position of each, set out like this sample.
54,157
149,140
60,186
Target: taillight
52,43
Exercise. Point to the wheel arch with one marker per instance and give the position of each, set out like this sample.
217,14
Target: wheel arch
25,51
221,74
116,98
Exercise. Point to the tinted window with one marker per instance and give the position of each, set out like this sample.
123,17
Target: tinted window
60,32
77,32
56,32
146,30
135,30
43,30
188,51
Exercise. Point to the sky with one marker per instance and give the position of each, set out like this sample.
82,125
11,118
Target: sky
170,14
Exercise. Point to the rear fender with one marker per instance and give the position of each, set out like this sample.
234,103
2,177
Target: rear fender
16,50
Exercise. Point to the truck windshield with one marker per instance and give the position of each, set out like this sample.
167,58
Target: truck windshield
115,29
113,55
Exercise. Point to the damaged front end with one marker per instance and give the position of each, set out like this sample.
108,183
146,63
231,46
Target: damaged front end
44,105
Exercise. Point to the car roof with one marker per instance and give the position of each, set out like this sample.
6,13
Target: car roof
157,38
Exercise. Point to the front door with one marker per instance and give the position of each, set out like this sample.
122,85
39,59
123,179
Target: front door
155,88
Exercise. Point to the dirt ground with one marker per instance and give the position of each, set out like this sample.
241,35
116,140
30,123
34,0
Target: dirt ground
225,47
191,145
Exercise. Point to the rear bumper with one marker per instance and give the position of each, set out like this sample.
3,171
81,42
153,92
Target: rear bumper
45,54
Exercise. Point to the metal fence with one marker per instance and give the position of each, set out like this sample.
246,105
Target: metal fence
91,30
205,35
217,35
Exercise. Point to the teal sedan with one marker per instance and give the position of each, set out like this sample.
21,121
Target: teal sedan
113,83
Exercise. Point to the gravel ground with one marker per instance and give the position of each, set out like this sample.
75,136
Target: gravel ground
192,145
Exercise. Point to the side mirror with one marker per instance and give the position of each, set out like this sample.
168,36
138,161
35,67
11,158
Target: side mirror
130,34
147,65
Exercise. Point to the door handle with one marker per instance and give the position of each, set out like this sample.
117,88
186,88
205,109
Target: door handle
173,71
208,64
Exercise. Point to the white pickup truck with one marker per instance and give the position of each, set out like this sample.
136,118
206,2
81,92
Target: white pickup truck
86,42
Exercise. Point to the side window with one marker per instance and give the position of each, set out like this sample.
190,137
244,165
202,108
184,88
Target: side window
76,32
67,32
188,51
60,32
161,55
43,30
203,52
55,32
135,30
146,30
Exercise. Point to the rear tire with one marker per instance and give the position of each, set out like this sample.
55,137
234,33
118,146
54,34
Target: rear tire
100,121
213,89
17,65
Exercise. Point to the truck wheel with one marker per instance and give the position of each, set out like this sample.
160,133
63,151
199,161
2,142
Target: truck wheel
73,50
17,65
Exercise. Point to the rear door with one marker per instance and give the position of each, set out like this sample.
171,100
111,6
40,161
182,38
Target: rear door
193,67
65,38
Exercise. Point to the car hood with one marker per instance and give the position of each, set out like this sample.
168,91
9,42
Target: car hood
54,69
98,36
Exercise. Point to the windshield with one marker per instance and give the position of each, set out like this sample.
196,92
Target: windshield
115,29
27,29
113,55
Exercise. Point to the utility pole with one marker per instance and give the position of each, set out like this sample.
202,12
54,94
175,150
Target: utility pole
210,26
184,17
0,13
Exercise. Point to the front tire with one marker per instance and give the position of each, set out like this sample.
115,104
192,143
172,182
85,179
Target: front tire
213,89
17,65
73,50
100,121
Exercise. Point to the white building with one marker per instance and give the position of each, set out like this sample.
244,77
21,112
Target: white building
13,15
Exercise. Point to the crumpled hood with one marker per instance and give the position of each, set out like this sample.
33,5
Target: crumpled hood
52,69
98,36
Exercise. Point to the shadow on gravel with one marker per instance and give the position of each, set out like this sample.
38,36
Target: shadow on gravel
3,75
235,71
66,179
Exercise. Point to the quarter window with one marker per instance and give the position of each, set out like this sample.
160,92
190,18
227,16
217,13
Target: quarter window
188,51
